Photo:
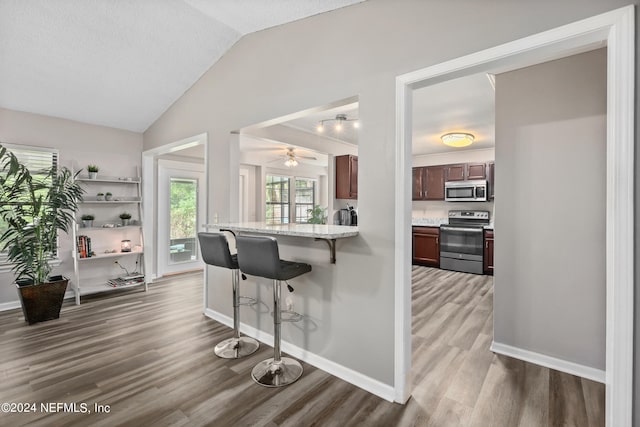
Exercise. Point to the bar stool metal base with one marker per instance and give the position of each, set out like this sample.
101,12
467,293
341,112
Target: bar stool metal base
269,373
234,348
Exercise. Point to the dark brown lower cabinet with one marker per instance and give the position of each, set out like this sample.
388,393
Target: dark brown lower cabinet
426,246
488,252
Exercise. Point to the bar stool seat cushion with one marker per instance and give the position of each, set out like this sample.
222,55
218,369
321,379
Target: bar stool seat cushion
290,269
259,256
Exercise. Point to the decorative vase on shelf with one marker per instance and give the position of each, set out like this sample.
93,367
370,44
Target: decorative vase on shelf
125,222
93,175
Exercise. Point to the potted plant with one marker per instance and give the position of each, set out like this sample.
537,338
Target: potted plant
100,197
125,217
87,220
108,196
93,171
35,208
318,215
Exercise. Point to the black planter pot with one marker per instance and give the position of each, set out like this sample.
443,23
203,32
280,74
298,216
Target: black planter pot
43,301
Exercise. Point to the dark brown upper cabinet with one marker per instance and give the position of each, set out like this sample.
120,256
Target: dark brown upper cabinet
455,172
465,171
428,183
347,177
476,171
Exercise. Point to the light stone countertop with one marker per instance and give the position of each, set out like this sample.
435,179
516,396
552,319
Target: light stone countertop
317,231
437,222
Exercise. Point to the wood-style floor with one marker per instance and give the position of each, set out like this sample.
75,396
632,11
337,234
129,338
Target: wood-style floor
149,357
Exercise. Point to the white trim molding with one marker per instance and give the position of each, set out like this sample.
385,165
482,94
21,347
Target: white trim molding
615,30
549,362
364,382
11,305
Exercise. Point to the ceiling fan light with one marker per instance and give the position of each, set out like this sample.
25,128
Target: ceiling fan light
320,127
291,162
356,124
338,126
457,139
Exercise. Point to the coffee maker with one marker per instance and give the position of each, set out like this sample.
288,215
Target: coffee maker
348,216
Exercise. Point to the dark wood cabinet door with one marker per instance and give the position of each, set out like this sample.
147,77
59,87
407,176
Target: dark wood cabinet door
488,252
454,172
491,178
433,183
353,177
476,171
426,246
346,177
417,188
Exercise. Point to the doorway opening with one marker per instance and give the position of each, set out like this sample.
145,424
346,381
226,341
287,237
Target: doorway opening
182,163
615,31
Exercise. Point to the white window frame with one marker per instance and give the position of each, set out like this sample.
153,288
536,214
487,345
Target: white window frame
315,195
292,192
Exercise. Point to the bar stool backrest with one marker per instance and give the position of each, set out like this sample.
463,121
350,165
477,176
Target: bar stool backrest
215,250
259,256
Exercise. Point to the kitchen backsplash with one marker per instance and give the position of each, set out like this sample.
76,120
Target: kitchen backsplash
440,209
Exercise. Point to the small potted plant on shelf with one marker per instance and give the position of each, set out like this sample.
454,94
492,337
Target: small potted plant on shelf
87,220
108,196
34,209
100,197
93,171
125,217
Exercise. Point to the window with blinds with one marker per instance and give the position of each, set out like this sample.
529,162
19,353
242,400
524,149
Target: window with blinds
39,161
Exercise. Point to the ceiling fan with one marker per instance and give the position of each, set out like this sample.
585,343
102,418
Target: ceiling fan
291,158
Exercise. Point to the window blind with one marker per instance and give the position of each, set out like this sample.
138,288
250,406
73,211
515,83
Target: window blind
36,159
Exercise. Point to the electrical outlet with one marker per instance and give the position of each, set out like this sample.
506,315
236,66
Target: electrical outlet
289,303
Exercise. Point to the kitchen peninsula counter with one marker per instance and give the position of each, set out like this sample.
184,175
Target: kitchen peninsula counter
328,233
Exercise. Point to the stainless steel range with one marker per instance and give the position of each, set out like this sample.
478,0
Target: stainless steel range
461,241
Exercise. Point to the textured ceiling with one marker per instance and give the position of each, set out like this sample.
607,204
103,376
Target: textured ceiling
123,63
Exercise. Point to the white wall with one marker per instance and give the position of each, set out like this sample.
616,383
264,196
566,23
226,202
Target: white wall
116,152
549,291
306,64
250,171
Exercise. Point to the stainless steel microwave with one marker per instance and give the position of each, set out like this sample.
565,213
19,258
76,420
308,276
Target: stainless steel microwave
465,191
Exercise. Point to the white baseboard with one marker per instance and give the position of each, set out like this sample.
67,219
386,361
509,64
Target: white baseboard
369,384
11,305
549,362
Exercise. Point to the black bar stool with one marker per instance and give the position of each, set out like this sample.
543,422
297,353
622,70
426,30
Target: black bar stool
259,256
215,251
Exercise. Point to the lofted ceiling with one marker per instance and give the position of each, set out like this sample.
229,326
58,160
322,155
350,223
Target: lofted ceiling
123,63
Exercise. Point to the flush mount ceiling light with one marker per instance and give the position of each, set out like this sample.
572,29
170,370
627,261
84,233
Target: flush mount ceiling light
339,124
456,139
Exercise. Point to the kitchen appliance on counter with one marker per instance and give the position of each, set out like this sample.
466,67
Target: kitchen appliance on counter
466,191
348,216
461,241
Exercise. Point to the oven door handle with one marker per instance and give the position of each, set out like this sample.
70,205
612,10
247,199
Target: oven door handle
470,230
